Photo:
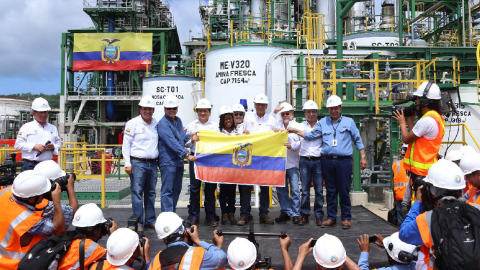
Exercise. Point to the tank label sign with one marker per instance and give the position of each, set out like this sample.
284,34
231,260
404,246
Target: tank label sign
167,90
235,72
460,116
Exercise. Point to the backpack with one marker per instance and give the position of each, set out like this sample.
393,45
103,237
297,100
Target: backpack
49,252
455,230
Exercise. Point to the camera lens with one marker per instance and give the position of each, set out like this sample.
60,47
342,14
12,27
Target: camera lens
62,182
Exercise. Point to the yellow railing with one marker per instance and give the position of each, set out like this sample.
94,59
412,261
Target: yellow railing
463,141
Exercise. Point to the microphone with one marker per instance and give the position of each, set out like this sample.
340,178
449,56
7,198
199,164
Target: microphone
47,143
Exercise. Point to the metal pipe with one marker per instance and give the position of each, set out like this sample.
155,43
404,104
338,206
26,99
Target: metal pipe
463,23
432,8
111,75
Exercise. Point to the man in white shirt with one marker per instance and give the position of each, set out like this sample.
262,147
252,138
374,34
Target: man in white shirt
257,122
140,153
33,136
289,201
311,168
204,110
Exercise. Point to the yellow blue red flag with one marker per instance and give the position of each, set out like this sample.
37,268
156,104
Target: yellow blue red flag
253,159
111,51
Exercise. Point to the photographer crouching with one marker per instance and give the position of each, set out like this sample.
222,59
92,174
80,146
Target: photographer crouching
31,211
425,136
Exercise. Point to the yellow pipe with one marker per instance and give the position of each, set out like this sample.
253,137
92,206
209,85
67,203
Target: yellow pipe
377,90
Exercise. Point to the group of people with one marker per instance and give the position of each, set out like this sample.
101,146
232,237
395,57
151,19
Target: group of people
315,151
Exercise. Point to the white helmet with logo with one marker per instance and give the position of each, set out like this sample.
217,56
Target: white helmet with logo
329,251
261,99
241,254
30,184
465,149
454,155
167,223
470,163
433,92
171,101
445,174
224,110
286,107
88,215
40,105
394,246
121,245
204,104
334,101
50,169
310,105
238,108
147,101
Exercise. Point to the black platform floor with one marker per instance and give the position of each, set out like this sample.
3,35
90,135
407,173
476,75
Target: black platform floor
363,222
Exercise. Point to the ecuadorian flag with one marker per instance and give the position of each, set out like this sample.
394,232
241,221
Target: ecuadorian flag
111,51
254,159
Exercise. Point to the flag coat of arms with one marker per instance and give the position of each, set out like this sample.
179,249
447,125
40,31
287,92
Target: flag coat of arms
253,159
111,51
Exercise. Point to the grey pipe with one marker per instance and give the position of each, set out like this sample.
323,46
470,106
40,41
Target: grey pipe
434,7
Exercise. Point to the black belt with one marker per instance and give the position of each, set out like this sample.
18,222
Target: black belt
32,161
311,158
145,159
336,157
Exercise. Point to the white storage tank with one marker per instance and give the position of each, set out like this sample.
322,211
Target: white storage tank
238,72
187,89
13,106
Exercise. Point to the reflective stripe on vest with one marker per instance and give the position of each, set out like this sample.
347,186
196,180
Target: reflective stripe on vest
472,193
422,153
193,258
13,255
88,253
424,222
400,185
400,179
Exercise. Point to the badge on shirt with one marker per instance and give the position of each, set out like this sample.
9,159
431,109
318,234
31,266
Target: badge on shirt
19,133
36,131
252,124
128,130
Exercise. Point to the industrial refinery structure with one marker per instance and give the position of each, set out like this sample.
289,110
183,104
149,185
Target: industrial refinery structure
372,53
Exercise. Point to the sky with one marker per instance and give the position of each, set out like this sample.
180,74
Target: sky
31,32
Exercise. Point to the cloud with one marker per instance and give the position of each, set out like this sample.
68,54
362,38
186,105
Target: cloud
32,34
187,17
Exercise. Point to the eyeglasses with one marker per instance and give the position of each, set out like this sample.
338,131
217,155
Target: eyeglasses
238,114
170,109
285,114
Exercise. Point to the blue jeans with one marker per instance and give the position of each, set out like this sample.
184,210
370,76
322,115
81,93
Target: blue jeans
208,192
400,214
171,187
246,196
338,179
311,169
143,181
27,165
227,198
290,203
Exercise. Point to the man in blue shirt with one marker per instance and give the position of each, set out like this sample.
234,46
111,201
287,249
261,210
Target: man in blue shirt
171,141
337,133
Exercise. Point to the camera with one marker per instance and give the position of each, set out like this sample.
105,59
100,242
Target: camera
407,110
62,182
107,225
8,170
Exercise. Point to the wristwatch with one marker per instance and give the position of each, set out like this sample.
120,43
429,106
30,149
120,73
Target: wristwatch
364,156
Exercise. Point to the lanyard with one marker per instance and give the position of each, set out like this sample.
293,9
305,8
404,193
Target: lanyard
335,128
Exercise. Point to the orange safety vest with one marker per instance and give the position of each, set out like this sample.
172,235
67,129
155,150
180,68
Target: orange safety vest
422,153
191,260
105,265
424,222
471,193
400,179
93,252
15,222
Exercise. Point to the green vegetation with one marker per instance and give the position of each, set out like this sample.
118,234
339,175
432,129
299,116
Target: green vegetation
53,100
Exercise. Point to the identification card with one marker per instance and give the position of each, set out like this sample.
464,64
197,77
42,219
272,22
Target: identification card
334,143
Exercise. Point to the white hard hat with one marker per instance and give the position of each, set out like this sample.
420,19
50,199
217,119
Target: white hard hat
50,169
465,149
286,107
445,174
121,245
241,254
40,105
329,251
30,184
334,101
261,98
433,92
310,105
147,101
171,101
394,246
88,215
167,223
238,108
470,163
224,110
204,104
454,155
